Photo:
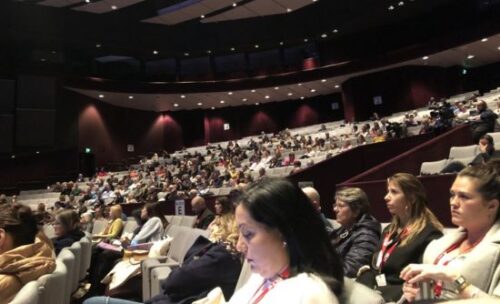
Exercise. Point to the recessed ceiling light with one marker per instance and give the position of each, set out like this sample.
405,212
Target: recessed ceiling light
335,31
98,45
301,97
253,91
313,90
299,84
391,7
13,156
281,42
484,39
276,88
87,1
209,52
337,86
498,48
131,97
315,0
256,46
113,7
324,35
229,93
401,3
199,103
155,52
37,152
323,80
186,54
176,105
425,57
183,96
43,60
101,96
290,94
256,103
244,99
233,49
213,108
234,4
305,39
202,16
267,96
288,10
470,56
222,101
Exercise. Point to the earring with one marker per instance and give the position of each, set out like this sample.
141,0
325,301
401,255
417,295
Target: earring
284,244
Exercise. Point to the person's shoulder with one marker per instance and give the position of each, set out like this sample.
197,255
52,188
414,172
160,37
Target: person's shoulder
308,288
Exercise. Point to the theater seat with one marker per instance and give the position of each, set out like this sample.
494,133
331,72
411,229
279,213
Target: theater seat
434,167
356,293
68,259
52,287
28,294
76,249
86,245
464,151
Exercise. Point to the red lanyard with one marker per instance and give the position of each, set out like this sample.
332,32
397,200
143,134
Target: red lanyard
269,284
438,287
390,243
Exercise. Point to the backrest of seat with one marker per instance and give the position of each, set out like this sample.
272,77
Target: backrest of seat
129,226
86,256
188,221
68,258
178,248
176,220
76,249
432,167
99,226
463,151
52,287
48,230
356,293
28,294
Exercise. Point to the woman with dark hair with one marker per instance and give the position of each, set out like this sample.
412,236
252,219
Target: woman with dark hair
412,228
66,229
21,258
285,242
154,225
486,147
464,263
359,234
223,228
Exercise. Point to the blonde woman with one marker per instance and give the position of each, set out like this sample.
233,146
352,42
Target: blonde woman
115,224
412,228
223,228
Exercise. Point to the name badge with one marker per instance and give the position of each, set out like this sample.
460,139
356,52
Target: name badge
381,282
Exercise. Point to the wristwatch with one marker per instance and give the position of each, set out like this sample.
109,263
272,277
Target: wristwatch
460,284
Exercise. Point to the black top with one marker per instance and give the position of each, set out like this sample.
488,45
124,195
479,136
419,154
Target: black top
67,240
400,257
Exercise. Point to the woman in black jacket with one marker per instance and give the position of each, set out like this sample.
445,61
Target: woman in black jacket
67,230
359,234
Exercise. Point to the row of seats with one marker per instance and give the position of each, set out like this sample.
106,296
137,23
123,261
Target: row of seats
72,264
463,154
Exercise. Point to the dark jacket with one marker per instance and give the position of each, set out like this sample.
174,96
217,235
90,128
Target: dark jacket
358,244
206,266
67,240
204,219
401,257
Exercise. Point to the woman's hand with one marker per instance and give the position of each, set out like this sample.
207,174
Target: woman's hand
410,291
415,273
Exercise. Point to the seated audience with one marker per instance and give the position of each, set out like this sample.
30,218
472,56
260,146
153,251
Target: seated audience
204,215
66,229
487,151
21,258
464,263
404,240
359,234
485,122
115,224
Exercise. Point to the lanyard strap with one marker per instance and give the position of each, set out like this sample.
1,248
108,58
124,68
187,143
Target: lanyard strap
438,287
390,243
269,284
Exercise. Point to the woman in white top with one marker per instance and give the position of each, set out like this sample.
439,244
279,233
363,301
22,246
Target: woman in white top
465,263
286,245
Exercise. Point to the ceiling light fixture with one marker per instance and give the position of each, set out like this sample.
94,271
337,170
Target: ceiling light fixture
425,57
324,35
302,97
288,10
176,105
323,80
256,46
131,97
253,91
155,52
202,16
290,94
234,4
267,96
209,52
113,7
256,103
335,31
222,101
306,40
281,42
299,84
101,96
213,108
199,103
337,86
229,93
183,96
401,3
233,49
391,7
484,39
276,88
186,54
244,99
313,90
470,56
98,45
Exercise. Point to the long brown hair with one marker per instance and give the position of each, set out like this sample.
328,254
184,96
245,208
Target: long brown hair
420,215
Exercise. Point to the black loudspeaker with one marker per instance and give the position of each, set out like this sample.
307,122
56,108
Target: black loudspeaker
86,164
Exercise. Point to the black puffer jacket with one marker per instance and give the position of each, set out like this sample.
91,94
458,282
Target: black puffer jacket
358,244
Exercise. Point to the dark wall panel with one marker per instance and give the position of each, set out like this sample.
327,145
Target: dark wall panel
6,133
36,92
35,128
7,95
